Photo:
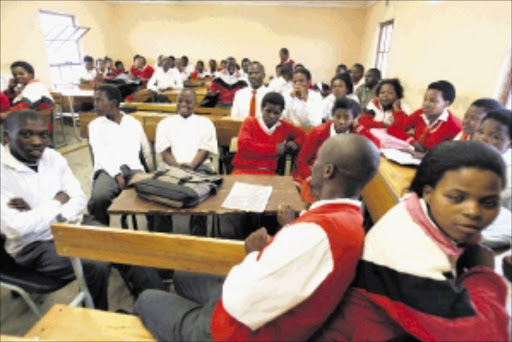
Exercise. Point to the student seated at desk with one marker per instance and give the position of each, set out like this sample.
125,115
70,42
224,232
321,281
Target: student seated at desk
246,63
212,64
100,69
423,275
200,73
188,68
284,57
432,124
367,92
140,69
88,73
356,74
379,113
165,78
226,83
344,112
474,115
247,101
110,71
117,141
303,106
120,68
283,83
262,140
341,86
288,284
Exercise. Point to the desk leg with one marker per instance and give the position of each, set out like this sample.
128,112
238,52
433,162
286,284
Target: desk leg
77,133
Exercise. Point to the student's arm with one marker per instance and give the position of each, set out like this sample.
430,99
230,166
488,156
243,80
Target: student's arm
359,129
103,157
307,155
72,209
247,144
446,132
146,149
403,123
199,158
168,157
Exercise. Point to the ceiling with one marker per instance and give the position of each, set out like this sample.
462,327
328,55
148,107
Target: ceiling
312,3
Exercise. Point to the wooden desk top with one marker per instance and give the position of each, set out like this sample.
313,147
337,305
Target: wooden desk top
398,177
171,108
284,192
201,91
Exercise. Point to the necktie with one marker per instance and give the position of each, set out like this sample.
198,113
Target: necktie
464,137
252,108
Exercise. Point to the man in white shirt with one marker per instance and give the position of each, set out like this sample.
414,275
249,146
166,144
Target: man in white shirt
187,68
117,141
37,188
165,78
88,73
303,106
159,63
283,84
247,101
357,73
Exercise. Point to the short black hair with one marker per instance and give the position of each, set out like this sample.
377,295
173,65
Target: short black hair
285,51
200,62
376,72
99,60
22,64
117,63
107,59
15,118
286,69
303,71
223,61
273,98
346,79
360,67
172,58
112,93
342,66
348,104
258,63
136,56
454,155
503,116
88,59
487,104
245,59
395,83
184,58
446,88
299,65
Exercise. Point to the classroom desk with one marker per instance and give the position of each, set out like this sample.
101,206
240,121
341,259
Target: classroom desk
171,108
172,95
387,187
284,192
198,83
74,96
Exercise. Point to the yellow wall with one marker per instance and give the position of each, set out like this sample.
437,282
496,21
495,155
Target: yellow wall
464,42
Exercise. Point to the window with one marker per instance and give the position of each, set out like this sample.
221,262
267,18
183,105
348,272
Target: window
381,59
504,87
61,37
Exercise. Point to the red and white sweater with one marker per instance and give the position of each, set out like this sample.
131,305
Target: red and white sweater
287,291
380,117
257,145
227,85
34,95
406,285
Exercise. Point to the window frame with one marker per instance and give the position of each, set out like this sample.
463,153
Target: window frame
379,54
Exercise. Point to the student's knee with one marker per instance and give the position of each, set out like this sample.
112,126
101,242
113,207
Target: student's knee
145,303
96,270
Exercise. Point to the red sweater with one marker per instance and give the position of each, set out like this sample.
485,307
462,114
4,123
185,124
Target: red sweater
5,104
257,151
144,74
342,224
427,136
227,85
315,139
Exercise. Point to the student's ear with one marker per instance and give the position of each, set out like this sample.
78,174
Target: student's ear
427,193
329,171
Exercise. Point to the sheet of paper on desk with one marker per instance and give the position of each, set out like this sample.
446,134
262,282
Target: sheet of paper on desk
248,197
400,157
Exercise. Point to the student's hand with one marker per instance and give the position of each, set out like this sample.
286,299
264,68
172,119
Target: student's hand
304,94
291,146
18,204
12,84
187,166
62,197
281,149
397,105
477,255
256,241
419,147
120,181
285,215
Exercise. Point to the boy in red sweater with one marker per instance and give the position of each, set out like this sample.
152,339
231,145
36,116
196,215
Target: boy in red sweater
140,69
432,124
344,112
263,140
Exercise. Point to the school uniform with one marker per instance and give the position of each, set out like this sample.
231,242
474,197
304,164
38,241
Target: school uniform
189,69
113,146
34,95
280,85
284,292
87,75
288,61
328,104
227,85
257,145
304,113
381,116
200,75
462,136
5,104
29,238
162,80
405,284
247,101
445,128
365,95
145,73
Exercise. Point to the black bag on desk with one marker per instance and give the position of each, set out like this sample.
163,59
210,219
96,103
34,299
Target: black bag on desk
209,100
177,187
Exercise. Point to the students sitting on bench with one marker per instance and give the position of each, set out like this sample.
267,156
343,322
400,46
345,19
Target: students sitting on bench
287,285
226,83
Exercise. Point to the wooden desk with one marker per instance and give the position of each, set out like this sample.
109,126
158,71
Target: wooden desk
228,128
198,83
171,108
388,186
284,192
173,95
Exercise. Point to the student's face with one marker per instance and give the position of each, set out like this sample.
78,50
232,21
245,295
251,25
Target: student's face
186,103
166,63
100,64
29,140
339,88
387,95
231,66
245,66
21,76
200,66
108,64
172,62
342,119
271,114
120,67
300,81
160,61
371,79
139,63
184,61
472,119
433,103
89,65
256,76
212,64
464,202
493,133
102,105
356,74
283,56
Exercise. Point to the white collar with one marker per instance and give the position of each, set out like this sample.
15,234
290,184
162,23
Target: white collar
9,160
320,203
264,127
443,117
187,119
104,117
507,155
261,88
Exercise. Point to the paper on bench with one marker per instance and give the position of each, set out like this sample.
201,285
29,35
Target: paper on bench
248,197
400,157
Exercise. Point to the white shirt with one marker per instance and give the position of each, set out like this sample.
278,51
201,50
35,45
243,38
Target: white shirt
38,189
443,117
271,130
280,85
386,116
162,80
186,136
328,103
302,113
87,75
242,101
506,195
116,144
